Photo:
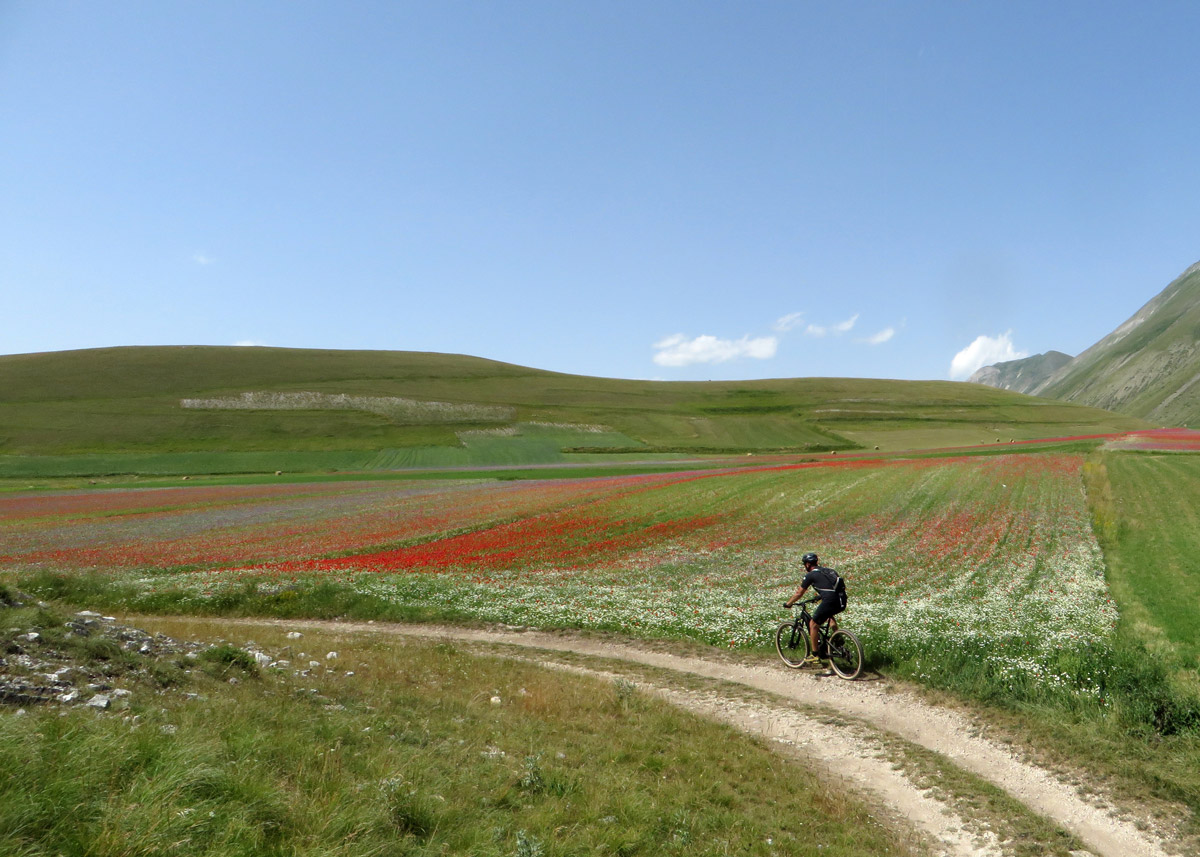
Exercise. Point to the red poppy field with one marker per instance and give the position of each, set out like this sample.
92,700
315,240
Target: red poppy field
950,550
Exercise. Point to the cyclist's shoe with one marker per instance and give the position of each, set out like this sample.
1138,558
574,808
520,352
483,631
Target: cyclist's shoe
811,661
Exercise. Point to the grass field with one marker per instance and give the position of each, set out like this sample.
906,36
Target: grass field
94,411
399,748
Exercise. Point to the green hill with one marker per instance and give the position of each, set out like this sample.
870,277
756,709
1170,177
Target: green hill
269,408
1148,367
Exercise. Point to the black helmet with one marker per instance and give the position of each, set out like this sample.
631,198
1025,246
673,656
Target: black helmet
810,558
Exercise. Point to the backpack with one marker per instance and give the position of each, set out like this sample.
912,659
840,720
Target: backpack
840,591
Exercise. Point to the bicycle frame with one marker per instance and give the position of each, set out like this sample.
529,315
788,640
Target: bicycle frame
801,623
842,649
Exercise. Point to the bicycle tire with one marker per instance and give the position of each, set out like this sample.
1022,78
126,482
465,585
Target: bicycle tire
792,648
845,654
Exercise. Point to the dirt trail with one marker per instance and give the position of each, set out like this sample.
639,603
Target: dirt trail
874,703
859,759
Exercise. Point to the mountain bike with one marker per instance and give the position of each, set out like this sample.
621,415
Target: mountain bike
841,648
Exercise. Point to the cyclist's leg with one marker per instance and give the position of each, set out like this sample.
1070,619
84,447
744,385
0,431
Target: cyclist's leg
833,622
823,613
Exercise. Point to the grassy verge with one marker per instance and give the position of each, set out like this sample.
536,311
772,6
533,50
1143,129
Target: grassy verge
393,747
313,601
1155,776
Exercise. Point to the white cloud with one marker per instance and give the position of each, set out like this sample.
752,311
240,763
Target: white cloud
203,259
984,351
840,327
785,323
249,343
678,350
881,337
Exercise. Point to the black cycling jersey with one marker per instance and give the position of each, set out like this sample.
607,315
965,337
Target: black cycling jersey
829,585
823,580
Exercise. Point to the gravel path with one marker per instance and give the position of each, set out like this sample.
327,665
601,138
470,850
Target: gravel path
862,761
857,759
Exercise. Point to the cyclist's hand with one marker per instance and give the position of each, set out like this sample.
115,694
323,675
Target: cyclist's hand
787,606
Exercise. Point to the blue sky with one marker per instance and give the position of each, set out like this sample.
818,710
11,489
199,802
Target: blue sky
676,190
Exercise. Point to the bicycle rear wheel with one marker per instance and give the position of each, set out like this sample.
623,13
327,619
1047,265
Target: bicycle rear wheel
845,654
792,644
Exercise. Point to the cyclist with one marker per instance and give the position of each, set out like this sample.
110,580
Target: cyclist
832,589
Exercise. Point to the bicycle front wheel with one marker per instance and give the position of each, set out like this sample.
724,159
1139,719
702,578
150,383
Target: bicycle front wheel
845,654
792,644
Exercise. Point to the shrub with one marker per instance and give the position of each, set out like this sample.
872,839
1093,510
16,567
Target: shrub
224,658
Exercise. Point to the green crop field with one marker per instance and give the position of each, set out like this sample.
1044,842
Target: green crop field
1153,552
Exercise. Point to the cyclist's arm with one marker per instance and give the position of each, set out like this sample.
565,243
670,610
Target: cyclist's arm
799,593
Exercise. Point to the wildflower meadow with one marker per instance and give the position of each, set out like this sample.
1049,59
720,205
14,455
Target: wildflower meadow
988,561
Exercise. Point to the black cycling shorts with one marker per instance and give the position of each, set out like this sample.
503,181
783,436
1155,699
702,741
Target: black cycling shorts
828,608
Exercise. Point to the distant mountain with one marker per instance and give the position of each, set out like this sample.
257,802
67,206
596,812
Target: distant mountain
1148,367
1024,375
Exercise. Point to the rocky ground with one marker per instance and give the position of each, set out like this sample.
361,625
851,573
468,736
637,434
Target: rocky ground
92,660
